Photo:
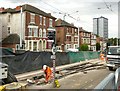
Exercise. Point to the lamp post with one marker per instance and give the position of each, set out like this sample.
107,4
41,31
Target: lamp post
52,36
21,29
78,19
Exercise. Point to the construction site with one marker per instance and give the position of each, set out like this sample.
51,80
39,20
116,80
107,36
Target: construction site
25,71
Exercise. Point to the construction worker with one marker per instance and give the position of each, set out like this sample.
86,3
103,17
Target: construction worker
48,73
102,56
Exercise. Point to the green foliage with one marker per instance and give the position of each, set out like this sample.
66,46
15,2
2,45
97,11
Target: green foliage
112,41
97,35
84,47
97,46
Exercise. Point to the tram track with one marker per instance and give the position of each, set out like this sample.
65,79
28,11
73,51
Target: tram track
84,67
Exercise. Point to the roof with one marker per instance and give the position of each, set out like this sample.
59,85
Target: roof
64,23
11,39
82,30
100,17
29,8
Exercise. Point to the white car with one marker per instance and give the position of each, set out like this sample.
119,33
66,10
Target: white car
3,70
113,57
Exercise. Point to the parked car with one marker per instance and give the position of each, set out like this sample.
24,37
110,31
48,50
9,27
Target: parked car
113,57
6,76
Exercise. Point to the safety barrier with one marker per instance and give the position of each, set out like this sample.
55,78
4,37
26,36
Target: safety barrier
31,61
111,82
82,56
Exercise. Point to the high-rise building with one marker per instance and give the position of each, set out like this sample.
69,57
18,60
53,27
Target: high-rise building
100,27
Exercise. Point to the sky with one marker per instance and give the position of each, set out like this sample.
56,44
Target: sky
79,12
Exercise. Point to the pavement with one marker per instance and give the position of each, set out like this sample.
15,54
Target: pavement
79,80
28,75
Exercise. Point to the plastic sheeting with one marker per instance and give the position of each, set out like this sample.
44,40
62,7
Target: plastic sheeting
30,61
82,55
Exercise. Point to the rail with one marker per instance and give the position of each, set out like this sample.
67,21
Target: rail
111,82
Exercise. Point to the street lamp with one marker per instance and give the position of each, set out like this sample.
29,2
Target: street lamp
21,28
52,36
66,14
78,20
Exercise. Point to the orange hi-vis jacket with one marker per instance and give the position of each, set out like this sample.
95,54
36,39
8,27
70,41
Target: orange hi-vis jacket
48,73
102,56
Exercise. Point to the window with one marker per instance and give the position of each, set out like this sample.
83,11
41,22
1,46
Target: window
84,34
8,30
35,32
76,39
34,46
76,46
40,32
87,40
67,46
76,33
50,22
67,30
8,18
44,22
84,40
68,38
73,31
17,46
30,31
44,33
44,44
32,18
40,20
72,39
30,45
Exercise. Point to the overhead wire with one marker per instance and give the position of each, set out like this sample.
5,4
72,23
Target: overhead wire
109,7
64,14
51,6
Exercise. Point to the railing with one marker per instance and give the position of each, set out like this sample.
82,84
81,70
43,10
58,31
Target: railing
111,82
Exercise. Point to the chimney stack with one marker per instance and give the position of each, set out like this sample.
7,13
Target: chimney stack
2,9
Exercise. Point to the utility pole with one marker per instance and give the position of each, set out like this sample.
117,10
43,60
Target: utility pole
21,30
52,36
78,33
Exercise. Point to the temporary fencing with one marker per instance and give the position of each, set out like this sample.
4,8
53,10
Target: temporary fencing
31,61
82,55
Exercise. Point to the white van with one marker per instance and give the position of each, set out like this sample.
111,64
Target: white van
113,57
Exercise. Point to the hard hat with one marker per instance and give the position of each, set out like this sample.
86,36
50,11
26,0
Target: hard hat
44,67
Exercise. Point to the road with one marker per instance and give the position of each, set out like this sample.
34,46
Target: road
88,80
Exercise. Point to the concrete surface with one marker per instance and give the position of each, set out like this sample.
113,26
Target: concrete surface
78,80
40,72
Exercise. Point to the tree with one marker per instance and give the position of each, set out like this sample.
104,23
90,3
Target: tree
84,47
115,41
98,46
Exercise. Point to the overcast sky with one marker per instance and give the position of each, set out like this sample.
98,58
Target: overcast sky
87,10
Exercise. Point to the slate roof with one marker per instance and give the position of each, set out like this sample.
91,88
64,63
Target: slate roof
82,30
11,39
64,23
29,8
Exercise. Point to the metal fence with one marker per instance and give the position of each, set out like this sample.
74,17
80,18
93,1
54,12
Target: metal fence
111,82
